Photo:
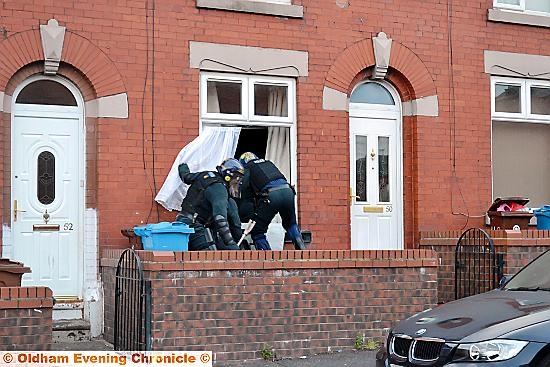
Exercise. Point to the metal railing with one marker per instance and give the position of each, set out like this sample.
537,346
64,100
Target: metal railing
132,329
478,268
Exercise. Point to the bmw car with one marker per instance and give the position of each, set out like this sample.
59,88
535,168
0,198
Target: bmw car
508,326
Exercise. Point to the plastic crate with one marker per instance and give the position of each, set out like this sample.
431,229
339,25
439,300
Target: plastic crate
165,236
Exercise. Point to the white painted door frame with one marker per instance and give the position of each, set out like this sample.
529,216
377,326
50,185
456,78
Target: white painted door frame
371,121
32,114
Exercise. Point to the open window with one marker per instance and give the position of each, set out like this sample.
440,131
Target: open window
264,108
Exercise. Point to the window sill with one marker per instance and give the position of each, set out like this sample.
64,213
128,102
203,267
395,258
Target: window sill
258,7
510,16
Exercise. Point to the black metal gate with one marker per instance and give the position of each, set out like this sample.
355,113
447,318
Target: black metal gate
478,268
132,305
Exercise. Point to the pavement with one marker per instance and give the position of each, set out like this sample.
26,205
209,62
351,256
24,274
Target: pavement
349,358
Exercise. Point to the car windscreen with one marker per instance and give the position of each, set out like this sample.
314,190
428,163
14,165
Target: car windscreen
533,277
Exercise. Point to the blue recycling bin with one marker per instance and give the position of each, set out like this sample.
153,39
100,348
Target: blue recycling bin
543,217
165,236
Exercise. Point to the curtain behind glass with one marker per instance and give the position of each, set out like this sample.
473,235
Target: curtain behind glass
278,144
209,149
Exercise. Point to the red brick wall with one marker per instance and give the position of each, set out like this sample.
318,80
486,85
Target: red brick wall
298,302
449,161
25,318
519,248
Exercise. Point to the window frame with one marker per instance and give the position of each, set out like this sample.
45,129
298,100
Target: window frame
519,8
204,100
537,84
247,117
498,4
525,100
290,96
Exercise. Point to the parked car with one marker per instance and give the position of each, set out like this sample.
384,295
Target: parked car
508,326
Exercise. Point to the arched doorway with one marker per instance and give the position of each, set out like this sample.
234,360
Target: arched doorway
47,183
376,167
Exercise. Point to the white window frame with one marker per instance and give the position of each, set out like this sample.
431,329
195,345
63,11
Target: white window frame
520,7
290,95
525,100
498,4
536,84
204,97
247,100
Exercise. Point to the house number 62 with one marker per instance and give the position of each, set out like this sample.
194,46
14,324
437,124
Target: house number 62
68,227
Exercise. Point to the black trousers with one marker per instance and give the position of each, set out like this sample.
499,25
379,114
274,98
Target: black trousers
278,201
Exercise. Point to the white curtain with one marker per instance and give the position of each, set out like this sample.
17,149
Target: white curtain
278,144
209,149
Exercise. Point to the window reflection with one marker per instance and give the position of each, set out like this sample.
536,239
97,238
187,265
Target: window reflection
46,92
540,100
507,98
372,93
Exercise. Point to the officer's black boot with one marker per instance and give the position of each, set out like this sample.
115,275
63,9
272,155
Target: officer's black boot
296,236
299,243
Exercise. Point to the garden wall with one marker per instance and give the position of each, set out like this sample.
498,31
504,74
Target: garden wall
25,318
235,303
518,248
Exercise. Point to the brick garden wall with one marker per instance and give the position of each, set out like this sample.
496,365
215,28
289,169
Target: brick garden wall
25,318
518,247
298,302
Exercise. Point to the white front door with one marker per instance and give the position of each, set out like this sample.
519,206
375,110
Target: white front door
47,192
376,199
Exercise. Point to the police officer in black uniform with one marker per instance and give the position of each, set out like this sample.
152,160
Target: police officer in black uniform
267,192
209,207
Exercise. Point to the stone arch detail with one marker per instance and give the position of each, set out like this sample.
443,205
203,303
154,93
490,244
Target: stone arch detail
360,56
25,47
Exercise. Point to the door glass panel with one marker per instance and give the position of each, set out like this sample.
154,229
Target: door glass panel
540,100
223,97
507,98
46,92
361,167
383,169
270,100
46,178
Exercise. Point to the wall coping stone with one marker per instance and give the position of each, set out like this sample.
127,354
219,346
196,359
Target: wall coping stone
26,297
500,237
268,260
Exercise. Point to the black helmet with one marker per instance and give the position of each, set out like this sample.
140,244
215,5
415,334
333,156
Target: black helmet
232,172
229,168
247,157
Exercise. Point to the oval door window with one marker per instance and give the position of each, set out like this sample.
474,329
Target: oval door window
45,178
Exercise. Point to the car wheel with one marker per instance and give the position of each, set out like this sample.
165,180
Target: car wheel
545,362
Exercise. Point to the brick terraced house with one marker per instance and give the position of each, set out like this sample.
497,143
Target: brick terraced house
392,118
